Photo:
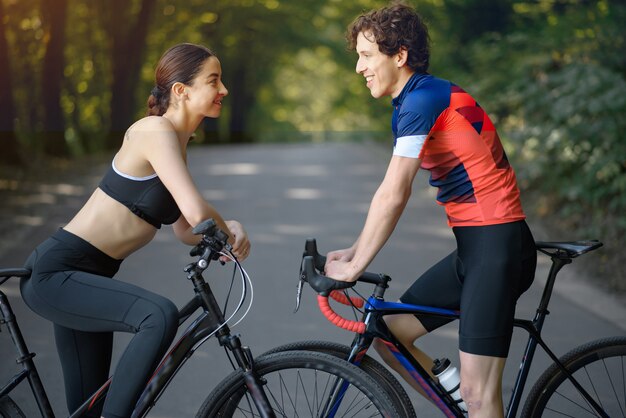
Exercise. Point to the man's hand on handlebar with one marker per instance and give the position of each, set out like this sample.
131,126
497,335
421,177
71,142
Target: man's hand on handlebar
343,271
338,265
340,255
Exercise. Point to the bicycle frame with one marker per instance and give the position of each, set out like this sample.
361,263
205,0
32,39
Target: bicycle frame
376,309
209,320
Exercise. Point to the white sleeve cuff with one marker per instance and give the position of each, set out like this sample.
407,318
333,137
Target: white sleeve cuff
409,146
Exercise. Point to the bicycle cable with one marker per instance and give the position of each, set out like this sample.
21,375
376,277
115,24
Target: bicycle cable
245,281
230,288
245,278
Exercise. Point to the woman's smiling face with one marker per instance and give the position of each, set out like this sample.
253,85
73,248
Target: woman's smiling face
207,90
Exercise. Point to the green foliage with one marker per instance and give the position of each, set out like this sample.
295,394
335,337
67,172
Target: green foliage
549,72
573,119
556,89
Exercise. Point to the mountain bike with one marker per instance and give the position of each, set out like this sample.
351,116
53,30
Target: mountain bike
587,381
285,384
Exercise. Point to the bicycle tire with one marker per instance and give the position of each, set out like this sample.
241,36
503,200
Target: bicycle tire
379,372
310,376
599,365
9,409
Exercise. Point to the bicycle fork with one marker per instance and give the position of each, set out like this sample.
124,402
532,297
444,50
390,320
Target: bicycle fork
340,386
254,383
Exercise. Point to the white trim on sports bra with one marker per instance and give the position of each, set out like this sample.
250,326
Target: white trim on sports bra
129,176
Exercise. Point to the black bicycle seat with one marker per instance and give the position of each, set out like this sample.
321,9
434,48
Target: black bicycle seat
6,274
571,248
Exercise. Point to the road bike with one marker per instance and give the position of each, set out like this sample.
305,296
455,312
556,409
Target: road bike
283,384
588,381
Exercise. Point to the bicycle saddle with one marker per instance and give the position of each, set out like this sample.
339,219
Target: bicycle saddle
6,274
571,248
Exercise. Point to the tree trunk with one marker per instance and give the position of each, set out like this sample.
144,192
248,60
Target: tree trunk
8,140
127,55
55,15
241,100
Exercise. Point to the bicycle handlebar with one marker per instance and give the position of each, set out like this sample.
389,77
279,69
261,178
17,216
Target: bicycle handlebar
321,284
347,300
319,262
213,241
212,237
336,319
326,286
312,262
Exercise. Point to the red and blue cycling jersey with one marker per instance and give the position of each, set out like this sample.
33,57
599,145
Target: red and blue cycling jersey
438,122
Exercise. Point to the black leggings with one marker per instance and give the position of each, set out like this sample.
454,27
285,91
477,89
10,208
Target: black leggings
72,286
492,266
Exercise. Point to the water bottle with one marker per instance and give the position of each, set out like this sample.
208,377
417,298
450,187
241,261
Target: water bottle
450,379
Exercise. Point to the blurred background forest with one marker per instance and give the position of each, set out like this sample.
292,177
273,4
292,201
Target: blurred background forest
74,74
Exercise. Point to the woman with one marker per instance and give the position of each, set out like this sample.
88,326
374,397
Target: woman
147,185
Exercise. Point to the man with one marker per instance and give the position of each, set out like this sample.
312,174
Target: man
439,127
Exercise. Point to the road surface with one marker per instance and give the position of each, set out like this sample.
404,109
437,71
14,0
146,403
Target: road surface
284,194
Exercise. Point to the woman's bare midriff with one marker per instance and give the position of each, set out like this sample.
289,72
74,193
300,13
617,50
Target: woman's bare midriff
110,226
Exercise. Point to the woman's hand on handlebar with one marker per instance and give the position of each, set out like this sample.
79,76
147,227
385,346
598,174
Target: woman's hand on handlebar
241,244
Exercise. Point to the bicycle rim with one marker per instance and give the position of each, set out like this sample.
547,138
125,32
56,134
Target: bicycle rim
599,367
300,384
370,366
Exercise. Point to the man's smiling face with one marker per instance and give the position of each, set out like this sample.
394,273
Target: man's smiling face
381,71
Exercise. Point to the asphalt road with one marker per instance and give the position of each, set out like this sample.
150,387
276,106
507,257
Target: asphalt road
284,194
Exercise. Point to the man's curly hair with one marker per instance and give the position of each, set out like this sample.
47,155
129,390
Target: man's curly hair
393,28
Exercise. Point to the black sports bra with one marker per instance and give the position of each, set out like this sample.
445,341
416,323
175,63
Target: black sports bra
146,197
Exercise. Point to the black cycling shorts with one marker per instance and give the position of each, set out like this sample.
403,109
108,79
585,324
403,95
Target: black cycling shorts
491,267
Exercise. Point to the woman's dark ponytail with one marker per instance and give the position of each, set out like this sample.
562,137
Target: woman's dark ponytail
156,105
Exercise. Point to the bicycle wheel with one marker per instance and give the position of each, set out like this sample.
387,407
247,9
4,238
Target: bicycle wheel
600,368
300,384
370,366
9,409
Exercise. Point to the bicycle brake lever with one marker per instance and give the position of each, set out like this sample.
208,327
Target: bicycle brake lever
299,295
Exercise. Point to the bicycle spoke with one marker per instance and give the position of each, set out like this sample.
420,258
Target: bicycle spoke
297,398
571,401
612,386
597,398
600,370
